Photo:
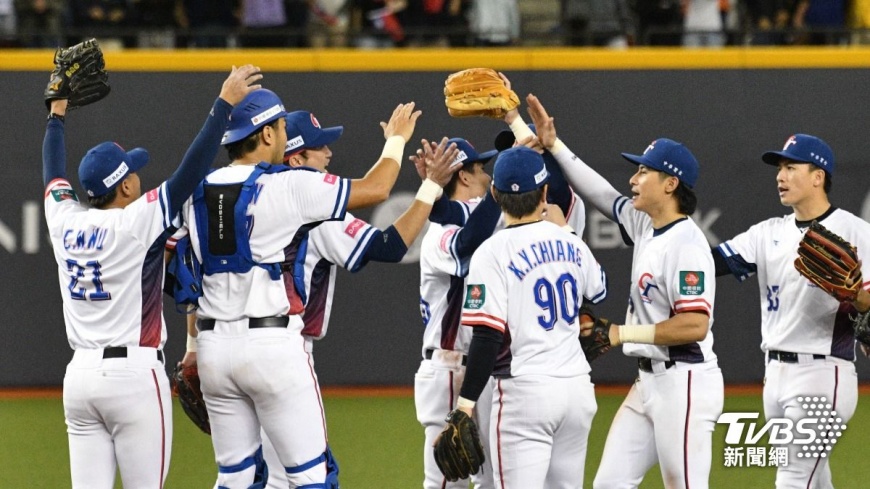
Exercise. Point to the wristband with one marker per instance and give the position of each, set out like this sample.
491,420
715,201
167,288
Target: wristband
429,192
520,129
637,333
465,403
52,115
394,148
191,343
558,146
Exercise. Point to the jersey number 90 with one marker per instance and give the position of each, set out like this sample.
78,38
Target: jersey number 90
557,299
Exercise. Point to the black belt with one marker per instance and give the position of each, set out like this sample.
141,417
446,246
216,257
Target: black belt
270,322
121,352
645,364
431,351
788,357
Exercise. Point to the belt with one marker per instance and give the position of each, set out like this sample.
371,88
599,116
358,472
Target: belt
270,322
121,352
431,351
788,357
646,364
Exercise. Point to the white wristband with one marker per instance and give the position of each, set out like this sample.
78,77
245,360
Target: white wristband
558,146
394,148
637,333
520,129
191,343
465,403
429,192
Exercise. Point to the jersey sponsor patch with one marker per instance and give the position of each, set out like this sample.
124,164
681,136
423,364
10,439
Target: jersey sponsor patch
354,227
61,194
691,283
330,178
475,296
152,195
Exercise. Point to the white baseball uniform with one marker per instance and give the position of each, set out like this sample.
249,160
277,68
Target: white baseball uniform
806,334
682,397
445,345
263,376
529,281
116,393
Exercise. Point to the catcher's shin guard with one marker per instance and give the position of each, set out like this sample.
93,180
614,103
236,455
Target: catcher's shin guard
236,476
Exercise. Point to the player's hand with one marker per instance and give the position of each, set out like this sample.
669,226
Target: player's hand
544,124
513,113
440,159
189,359
402,122
531,142
419,159
554,214
240,83
614,335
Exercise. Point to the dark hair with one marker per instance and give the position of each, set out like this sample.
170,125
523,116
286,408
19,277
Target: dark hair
249,144
102,201
686,199
519,205
828,182
450,188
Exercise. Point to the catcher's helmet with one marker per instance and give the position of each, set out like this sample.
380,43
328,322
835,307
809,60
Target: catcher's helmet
259,108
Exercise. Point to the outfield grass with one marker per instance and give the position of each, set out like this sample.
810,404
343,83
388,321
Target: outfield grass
377,441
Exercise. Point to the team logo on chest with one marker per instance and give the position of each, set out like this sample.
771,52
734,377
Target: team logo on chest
646,283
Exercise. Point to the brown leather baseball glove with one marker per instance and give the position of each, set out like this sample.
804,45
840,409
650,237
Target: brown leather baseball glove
478,92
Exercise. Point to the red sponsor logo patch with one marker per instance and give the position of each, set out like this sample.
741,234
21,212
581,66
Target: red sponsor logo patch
475,292
354,227
330,178
691,279
151,196
445,239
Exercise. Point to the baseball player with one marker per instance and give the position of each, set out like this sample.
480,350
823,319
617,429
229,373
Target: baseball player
444,255
805,333
350,243
246,222
679,392
523,295
110,265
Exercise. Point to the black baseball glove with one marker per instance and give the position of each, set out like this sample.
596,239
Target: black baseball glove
79,75
458,451
597,341
185,383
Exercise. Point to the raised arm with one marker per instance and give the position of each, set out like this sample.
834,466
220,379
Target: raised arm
594,188
53,147
201,153
376,185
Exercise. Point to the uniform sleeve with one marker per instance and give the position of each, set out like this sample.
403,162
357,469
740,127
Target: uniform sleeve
149,216
440,251
576,215
692,279
345,242
485,301
446,211
631,221
741,252
317,196
595,280
60,201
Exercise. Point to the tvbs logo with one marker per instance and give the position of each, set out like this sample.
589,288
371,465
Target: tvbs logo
816,433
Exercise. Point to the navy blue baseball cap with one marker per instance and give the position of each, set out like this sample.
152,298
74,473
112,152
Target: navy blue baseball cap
671,157
468,155
806,149
257,109
106,165
304,132
519,170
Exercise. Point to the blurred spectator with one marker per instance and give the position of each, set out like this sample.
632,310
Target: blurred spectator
108,20
702,24
8,24
437,22
264,24
210,22
494,22
39,22
156,22
767,21
597,22
328,23
823,21
660,22
859,19
378,23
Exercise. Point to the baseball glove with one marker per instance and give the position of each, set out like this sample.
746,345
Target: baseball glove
861,325
458,451
597,342
830,262
79,75
478,92
185,384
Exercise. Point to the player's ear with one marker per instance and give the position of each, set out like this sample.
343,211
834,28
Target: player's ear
546,187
